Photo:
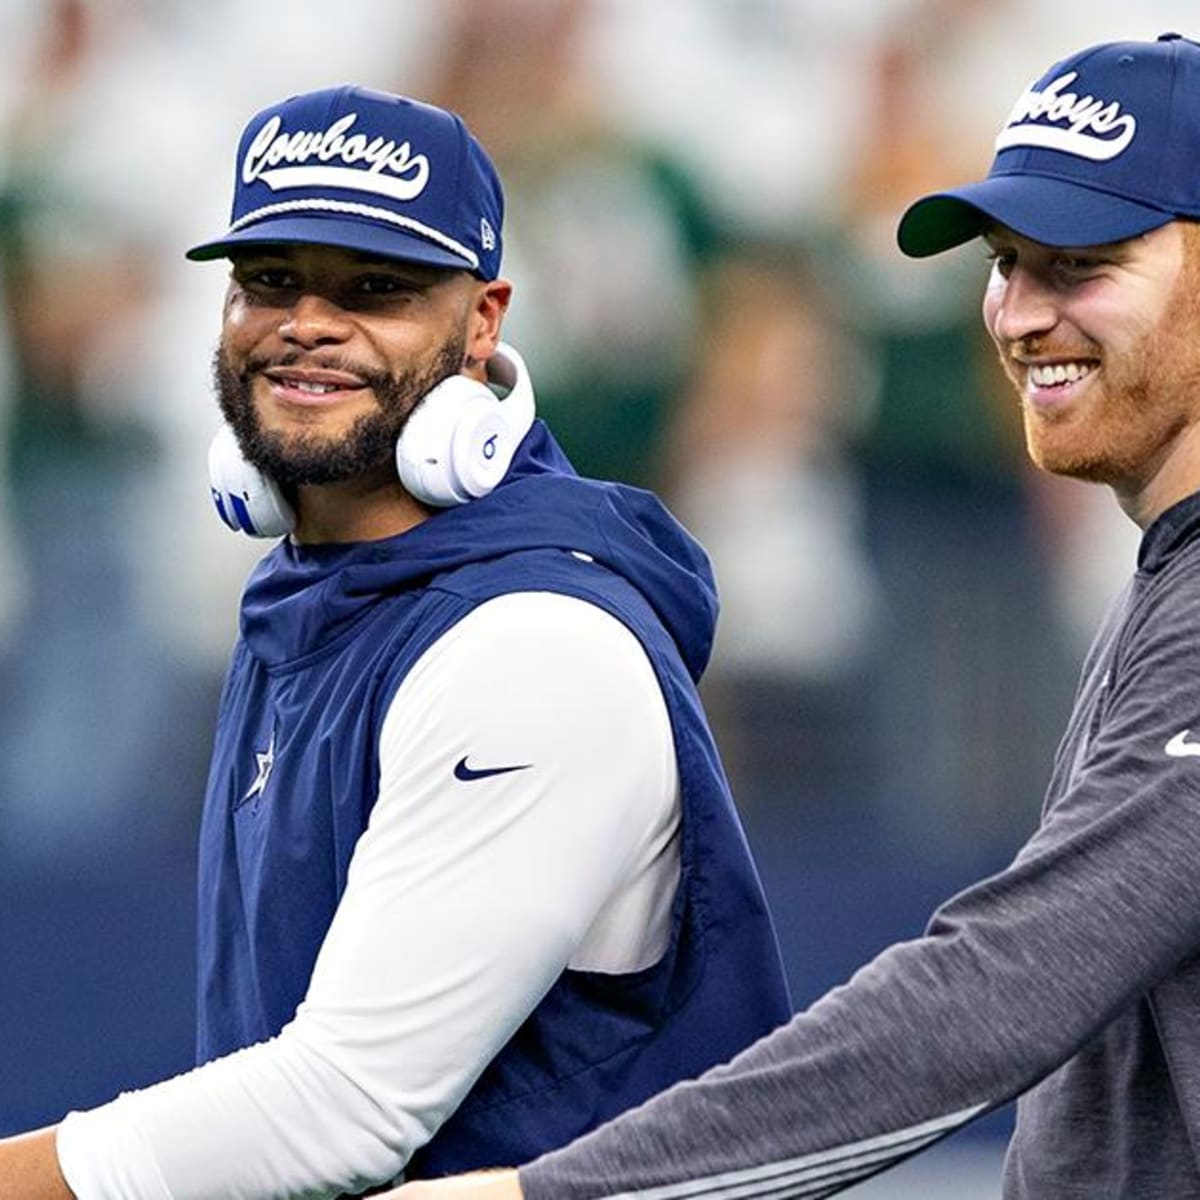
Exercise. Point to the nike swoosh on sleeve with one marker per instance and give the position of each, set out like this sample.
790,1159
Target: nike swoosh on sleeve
467,774
1180,747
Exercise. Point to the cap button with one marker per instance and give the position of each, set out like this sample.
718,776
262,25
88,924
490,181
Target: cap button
1170,37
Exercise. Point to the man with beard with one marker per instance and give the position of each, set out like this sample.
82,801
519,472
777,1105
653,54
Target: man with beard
471,880
1070,978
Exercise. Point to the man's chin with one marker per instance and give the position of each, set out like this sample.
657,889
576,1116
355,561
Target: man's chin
1090,468
304,460
321,471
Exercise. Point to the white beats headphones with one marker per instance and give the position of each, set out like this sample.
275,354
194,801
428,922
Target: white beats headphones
455,447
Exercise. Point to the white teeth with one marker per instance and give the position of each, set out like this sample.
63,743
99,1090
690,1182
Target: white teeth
318,389
1049,374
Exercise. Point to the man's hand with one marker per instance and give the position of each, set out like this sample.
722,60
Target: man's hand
29,1168
479,1185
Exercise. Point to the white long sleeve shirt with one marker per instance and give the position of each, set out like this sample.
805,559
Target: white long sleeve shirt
464,902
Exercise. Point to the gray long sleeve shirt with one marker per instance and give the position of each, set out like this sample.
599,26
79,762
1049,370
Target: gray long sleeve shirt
1071,976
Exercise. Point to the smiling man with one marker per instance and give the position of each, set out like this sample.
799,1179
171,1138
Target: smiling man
471,880
1071,978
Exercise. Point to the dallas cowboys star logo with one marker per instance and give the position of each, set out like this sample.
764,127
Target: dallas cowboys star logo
266,763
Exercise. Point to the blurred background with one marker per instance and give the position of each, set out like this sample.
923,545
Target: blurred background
702,201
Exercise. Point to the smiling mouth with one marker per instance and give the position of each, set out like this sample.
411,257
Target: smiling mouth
1050,386
1051,375
313,387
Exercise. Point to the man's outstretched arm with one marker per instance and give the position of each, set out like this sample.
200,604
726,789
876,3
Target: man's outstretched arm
29,1168
1012,977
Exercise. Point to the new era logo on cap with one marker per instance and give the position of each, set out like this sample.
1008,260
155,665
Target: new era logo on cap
1098,150
367,171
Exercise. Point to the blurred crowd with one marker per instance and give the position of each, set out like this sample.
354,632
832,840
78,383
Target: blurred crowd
702,197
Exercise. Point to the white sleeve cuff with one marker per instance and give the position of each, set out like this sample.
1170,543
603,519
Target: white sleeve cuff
105,1153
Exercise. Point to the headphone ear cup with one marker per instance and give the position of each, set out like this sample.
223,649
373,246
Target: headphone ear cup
245,499
456,445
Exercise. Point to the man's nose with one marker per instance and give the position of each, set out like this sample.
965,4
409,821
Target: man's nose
1025,304
314,320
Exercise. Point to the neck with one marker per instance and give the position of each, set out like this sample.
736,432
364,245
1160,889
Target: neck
361,510
1175,476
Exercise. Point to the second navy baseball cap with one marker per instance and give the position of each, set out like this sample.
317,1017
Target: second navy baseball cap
1101,148
365,170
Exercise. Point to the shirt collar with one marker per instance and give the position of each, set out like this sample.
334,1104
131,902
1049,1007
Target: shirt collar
1168,532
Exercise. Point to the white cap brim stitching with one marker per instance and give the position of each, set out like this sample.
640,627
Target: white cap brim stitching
349,208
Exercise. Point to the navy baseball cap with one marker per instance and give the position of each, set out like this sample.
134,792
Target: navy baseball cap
1101,148
369,171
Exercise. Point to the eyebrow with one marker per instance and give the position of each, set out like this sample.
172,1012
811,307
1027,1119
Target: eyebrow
420,275
994,233
361,258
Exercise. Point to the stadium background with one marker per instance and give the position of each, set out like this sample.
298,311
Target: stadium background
702,197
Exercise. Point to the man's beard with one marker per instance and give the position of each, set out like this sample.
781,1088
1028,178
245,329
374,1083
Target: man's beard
1149,392
366,448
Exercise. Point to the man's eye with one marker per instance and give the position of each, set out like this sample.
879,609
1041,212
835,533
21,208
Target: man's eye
382,285
1077,264
1002,260
269,279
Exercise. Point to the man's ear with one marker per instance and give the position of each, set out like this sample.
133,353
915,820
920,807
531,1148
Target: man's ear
486,318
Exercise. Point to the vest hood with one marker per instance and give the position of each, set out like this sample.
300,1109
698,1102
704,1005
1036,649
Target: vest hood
300,598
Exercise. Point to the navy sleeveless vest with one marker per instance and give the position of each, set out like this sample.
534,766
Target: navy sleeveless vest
273,863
